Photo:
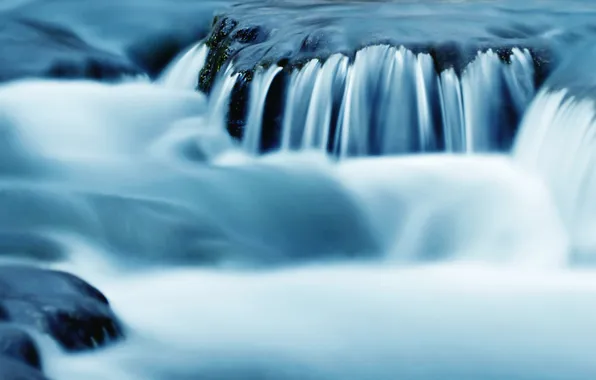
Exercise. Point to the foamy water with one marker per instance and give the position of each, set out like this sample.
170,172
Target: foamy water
290,265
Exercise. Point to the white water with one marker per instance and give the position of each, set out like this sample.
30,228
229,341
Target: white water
183,72
557,141
258,95
292,266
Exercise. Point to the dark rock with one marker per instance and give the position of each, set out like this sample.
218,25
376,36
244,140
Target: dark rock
40,49
63,306
18,345
13,370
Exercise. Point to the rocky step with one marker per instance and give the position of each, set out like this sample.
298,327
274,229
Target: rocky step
290,33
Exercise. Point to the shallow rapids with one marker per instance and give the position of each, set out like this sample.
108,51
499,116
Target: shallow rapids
286,266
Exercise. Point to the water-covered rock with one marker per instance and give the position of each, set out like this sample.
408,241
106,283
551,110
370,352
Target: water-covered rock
291,32
61,305
41,49
14,370
17,344
150,33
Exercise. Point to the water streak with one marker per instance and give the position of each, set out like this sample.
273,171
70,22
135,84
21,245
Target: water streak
261,84
557,140
183,72
219,99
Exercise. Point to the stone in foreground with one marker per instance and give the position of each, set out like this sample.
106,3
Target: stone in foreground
61,305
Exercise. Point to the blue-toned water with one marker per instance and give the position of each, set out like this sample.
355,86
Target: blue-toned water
407,222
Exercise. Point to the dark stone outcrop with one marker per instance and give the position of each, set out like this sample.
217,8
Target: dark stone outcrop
16,344
61,305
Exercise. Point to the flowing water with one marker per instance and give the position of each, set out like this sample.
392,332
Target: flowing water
391,234
391,101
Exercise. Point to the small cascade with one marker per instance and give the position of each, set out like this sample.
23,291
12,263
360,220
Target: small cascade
184,70
260,88
487,85
390,100
452,107
300,89
557,140
320,107
219,99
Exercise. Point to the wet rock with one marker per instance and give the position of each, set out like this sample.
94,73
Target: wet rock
13,370
18,345
290,32
61,305
41,49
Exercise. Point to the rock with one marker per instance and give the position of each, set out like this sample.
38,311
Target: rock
13,370
61,305
18,345
290,35
41,49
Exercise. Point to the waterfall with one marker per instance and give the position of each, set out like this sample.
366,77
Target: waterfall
390,100
184,70
321,103
484,83
220,99
261,83
299,91
557,140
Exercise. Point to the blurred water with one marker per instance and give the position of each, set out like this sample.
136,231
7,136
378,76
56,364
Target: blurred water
406,267
227,264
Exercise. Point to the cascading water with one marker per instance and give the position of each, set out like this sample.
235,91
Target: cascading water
259,91
557,141
390,100
182,72
297,266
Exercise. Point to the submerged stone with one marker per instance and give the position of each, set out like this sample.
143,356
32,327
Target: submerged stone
295,31
61,305
14,370
148,33
18,345
41,49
